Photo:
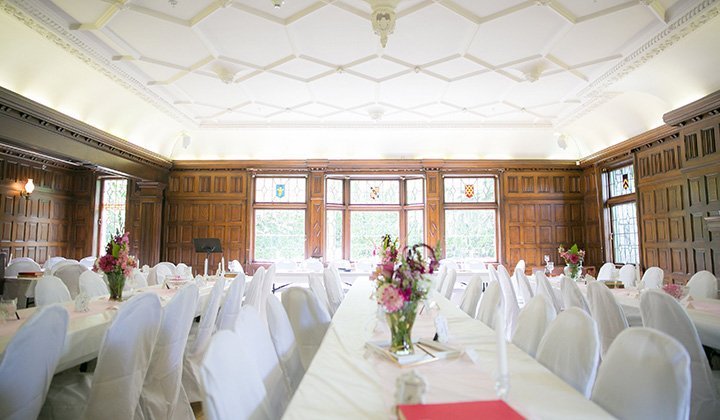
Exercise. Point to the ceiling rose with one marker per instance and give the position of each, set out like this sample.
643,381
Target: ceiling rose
383,18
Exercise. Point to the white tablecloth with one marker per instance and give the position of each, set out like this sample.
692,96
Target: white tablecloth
345,381
301,276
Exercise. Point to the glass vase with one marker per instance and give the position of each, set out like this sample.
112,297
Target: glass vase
573,271
116,283
401,324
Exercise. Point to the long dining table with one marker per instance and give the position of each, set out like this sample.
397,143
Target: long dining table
346,380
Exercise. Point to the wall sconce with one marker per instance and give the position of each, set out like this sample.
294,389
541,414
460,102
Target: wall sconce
29,188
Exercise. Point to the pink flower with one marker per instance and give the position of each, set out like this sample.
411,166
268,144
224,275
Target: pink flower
674,290
574,258
391,299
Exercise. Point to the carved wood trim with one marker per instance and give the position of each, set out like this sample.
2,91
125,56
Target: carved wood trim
694,111
623,149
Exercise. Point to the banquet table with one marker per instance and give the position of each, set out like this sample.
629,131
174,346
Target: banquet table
87,329
347,381
284,277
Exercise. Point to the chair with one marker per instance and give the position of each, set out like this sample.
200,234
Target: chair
235,266
653,278
158,273
251,328
88,262
232,384
139,279
308,319
606,312
284,342
92,284
471,297
49,290
571,349
333,286
663,312
113,390
544,288
170,266
70,275
195,351
703,284
524,287
314,265
448,286
489,303
627,275
532,323
440,278
182,269
21,259
286,265
252,296
29,362
520,266
645,375
572,296
163,396
231,307
315,280
60,264
268,285
22,267
50,262
512,309
606,272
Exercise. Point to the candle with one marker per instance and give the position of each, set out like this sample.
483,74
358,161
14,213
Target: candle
223,264
501,343
206,266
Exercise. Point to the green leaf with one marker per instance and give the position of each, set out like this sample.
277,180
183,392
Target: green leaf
573,249
115,250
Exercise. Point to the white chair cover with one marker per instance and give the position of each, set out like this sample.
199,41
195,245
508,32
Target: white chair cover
92,284
284,342
61,263
511,307
22,267
163,396
196,350
661,311
524,288
286,265
489,303
158,273
21,259
254,290
627,275
471,297
49,290
520,266
28,364
113,390
182,269
232,384
532,323
314,265
440,278
233,301
448,286
645,375
606,312
543,287
70,275
251,328
139,279
450,263
50,262
88,262
703,284
308,319
572,296
235,266
653,278
333,286
268,284
344,264
571,349
170,266
606,272
315,280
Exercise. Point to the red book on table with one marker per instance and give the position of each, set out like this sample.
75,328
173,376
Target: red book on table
490,410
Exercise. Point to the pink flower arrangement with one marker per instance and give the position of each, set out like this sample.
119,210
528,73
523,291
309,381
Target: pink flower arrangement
117,258
674,290
402,277
572,256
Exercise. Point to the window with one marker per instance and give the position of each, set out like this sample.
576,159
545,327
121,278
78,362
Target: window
621,208
361,210
471,217
112,210
279,218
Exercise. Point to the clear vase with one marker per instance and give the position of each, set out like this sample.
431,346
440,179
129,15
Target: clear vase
401,324
116,283
573,271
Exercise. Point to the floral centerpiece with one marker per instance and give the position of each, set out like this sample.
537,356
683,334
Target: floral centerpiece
573,260
117,264
674,290
402,280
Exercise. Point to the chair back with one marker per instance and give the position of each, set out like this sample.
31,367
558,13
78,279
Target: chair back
254,290
606,312
208,319
308,319
316,282
182,269
268,285
88,262
440,278
21,259
471,297
29,362
653,278
284,342
524,288
543,287
60,264
572,296
139,279
124,358
162,393
491,300
235,266
663,312
230,371
532,323
571,349
50,262
448,286
170,266
158,273
70,275
333,286
22,267
314,265
512,309
627,275
650,384
520,266
286,265
92,284
49,290
703,284
606,272
230,308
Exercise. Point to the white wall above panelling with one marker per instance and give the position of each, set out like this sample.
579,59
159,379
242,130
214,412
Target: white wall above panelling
458,78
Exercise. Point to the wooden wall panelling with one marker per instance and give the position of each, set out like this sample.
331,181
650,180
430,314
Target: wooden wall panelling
593,223
433,204
144,220
315,245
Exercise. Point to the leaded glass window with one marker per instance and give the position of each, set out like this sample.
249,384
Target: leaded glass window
279,235
376,191
415,191
334,192
625,233
334,235
113,208
366,229
621,181
280,190
470,234
414,227
469,190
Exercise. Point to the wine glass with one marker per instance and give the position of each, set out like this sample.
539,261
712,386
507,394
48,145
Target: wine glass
547,261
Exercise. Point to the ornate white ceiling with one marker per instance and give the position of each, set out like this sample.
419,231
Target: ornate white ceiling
458,78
